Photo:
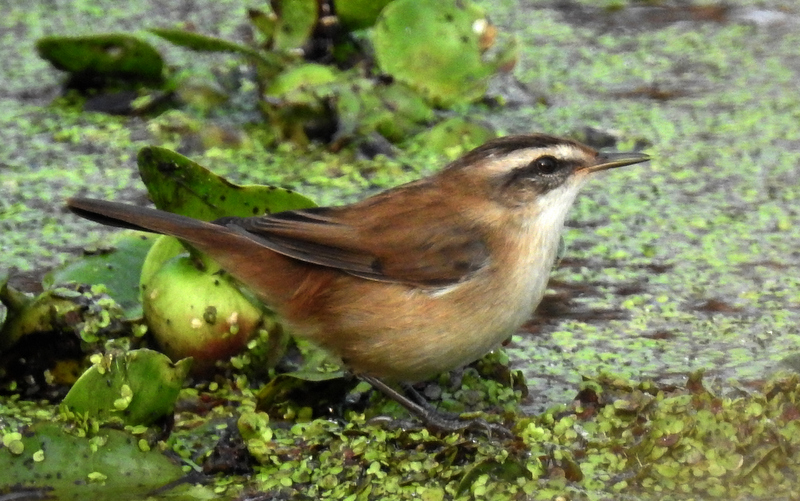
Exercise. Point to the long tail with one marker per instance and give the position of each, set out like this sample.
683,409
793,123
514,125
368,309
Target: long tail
136,218
273,276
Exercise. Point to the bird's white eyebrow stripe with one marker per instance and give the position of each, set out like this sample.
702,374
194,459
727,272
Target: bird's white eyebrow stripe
559,151
502,163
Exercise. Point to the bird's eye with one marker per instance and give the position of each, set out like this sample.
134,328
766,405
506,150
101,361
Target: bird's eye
546,165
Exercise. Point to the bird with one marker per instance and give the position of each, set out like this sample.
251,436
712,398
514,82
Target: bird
411,282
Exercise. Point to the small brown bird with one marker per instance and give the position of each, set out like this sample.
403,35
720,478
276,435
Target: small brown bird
414,281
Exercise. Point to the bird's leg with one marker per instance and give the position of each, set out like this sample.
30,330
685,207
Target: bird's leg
433,418
414,395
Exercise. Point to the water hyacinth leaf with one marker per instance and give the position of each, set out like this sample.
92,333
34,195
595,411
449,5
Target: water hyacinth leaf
305,94
112,55
205,43
118,268
177,184
360,110
296,21
56,464
452,137
311,365
295,102
297,85
164,249
358,14
438,48
265,21
174,288
199,312
135,388
12,304
406,102
395,110
83,311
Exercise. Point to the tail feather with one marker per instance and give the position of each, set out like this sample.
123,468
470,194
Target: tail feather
133,217
273,276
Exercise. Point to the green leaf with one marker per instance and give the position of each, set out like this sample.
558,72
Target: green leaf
457,71
87,312
452,137
205,43
14,304
395,111
118,269
164,249
177,184
265,22
300,84
358,14
296,21
199,312
55,464
114,55
408,111
313,365
136,388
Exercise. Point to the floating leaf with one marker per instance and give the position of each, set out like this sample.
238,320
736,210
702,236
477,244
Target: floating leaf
113,55
177,184
55,464
452,137
312,365
86,311
437,47
296,102
198,311
296,21
406,103
205,43
163,250
299,84
136,388
358,14
395,111
265,22
118,268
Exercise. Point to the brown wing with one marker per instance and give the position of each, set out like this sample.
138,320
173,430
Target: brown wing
422,243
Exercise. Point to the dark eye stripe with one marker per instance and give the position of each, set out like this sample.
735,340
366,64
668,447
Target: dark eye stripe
533,171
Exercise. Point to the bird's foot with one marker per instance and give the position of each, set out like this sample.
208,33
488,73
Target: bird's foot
434,418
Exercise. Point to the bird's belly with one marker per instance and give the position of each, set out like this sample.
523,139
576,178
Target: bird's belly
399,333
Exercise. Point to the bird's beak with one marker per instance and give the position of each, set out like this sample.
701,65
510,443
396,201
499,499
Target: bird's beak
610,160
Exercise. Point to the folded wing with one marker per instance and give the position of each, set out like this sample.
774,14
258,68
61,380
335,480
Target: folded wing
419,245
